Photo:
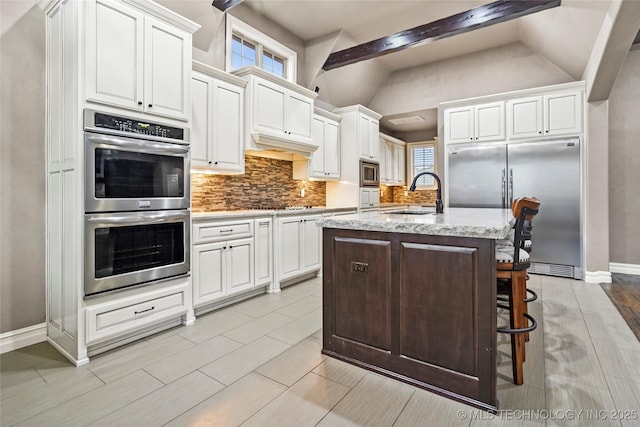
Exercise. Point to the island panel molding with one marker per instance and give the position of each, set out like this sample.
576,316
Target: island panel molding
417,308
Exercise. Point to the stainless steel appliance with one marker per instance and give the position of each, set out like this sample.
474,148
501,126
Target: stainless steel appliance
492,175
137,198
130,248
128,169
369,174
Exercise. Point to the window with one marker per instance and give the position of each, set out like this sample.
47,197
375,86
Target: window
422,158
248,46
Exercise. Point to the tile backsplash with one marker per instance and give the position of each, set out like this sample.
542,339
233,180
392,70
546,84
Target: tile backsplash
266,182
397,195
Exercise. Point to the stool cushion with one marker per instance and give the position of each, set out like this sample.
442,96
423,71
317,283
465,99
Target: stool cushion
507,242
505,256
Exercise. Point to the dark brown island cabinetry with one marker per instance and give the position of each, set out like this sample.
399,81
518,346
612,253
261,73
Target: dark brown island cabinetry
414,307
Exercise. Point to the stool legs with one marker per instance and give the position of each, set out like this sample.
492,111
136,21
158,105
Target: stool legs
516,296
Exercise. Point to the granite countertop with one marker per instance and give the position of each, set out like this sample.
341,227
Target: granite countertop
460,222
265,212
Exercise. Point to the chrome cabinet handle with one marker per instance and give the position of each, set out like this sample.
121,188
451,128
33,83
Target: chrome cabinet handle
504,185
510,187
227,231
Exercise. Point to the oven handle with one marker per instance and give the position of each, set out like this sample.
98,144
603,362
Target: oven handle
139,146
144,218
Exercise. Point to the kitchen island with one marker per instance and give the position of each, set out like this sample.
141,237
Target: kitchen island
413,296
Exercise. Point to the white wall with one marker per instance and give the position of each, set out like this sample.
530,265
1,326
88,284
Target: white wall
502,69
624,163
22,165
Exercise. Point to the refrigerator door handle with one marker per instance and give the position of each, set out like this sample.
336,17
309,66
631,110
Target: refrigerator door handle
504,187
510,187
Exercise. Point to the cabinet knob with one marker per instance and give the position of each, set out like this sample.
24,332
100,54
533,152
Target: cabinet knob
209,161
476,137
224,247
230,247
139,102
540,132
471,138
150,105
215,163
546,131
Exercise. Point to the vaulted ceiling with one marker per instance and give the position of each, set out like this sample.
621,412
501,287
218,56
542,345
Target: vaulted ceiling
563,35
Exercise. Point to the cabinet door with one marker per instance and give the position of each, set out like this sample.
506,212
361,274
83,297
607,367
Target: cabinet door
332,149
208,272
167,69
489,122
299,113
563,113
399,176
374,197
290,235
239,259
264,254
228,130
365,197
363,137
524,117
316,164
374,135
269,108
458,124
311,243
114,54
201,120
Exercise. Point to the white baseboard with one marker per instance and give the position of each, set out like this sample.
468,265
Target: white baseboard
30,335
617,267
597,277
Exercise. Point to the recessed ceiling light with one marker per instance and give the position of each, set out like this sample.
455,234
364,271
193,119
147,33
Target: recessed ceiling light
405,120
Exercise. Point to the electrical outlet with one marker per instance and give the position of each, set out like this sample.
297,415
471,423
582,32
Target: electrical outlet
302,192
406,193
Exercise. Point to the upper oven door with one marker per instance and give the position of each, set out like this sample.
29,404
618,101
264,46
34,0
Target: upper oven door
128,174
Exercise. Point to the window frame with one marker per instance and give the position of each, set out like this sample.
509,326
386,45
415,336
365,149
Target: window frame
262,42
410,166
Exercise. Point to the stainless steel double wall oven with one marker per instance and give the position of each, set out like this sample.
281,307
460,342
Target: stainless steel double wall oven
137,198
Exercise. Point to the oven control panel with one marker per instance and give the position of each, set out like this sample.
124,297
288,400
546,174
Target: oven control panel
125,124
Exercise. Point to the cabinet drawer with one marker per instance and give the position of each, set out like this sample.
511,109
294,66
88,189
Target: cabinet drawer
136,311
213,232
125,316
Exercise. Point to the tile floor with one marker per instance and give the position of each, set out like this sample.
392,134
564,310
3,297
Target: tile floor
258,363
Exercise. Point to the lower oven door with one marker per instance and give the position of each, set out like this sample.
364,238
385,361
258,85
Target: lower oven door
130,248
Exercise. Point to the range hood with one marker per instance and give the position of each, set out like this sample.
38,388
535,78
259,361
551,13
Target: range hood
279,114
265,141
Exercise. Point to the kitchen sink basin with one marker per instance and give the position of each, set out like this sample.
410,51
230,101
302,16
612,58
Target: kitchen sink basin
411,212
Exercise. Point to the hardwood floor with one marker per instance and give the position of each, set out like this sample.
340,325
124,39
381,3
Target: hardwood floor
625,295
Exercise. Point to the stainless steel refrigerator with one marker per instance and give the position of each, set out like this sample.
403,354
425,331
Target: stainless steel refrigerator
492,175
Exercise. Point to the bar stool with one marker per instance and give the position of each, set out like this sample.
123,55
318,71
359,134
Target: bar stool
512,262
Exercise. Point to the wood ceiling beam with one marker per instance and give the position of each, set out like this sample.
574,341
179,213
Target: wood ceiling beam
223,5
473,19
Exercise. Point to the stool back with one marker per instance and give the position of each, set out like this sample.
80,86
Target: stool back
524,209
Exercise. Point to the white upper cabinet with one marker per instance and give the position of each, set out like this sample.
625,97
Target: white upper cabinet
368,142
325,161
399,169
475,123
137,62
392,160
217,125
549,115
279,113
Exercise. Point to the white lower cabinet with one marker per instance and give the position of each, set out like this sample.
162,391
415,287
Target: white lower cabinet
369,198
229,259
298,246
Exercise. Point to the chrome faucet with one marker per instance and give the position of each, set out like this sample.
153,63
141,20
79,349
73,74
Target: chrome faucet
439,208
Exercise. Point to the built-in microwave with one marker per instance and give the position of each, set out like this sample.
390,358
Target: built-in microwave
369,174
